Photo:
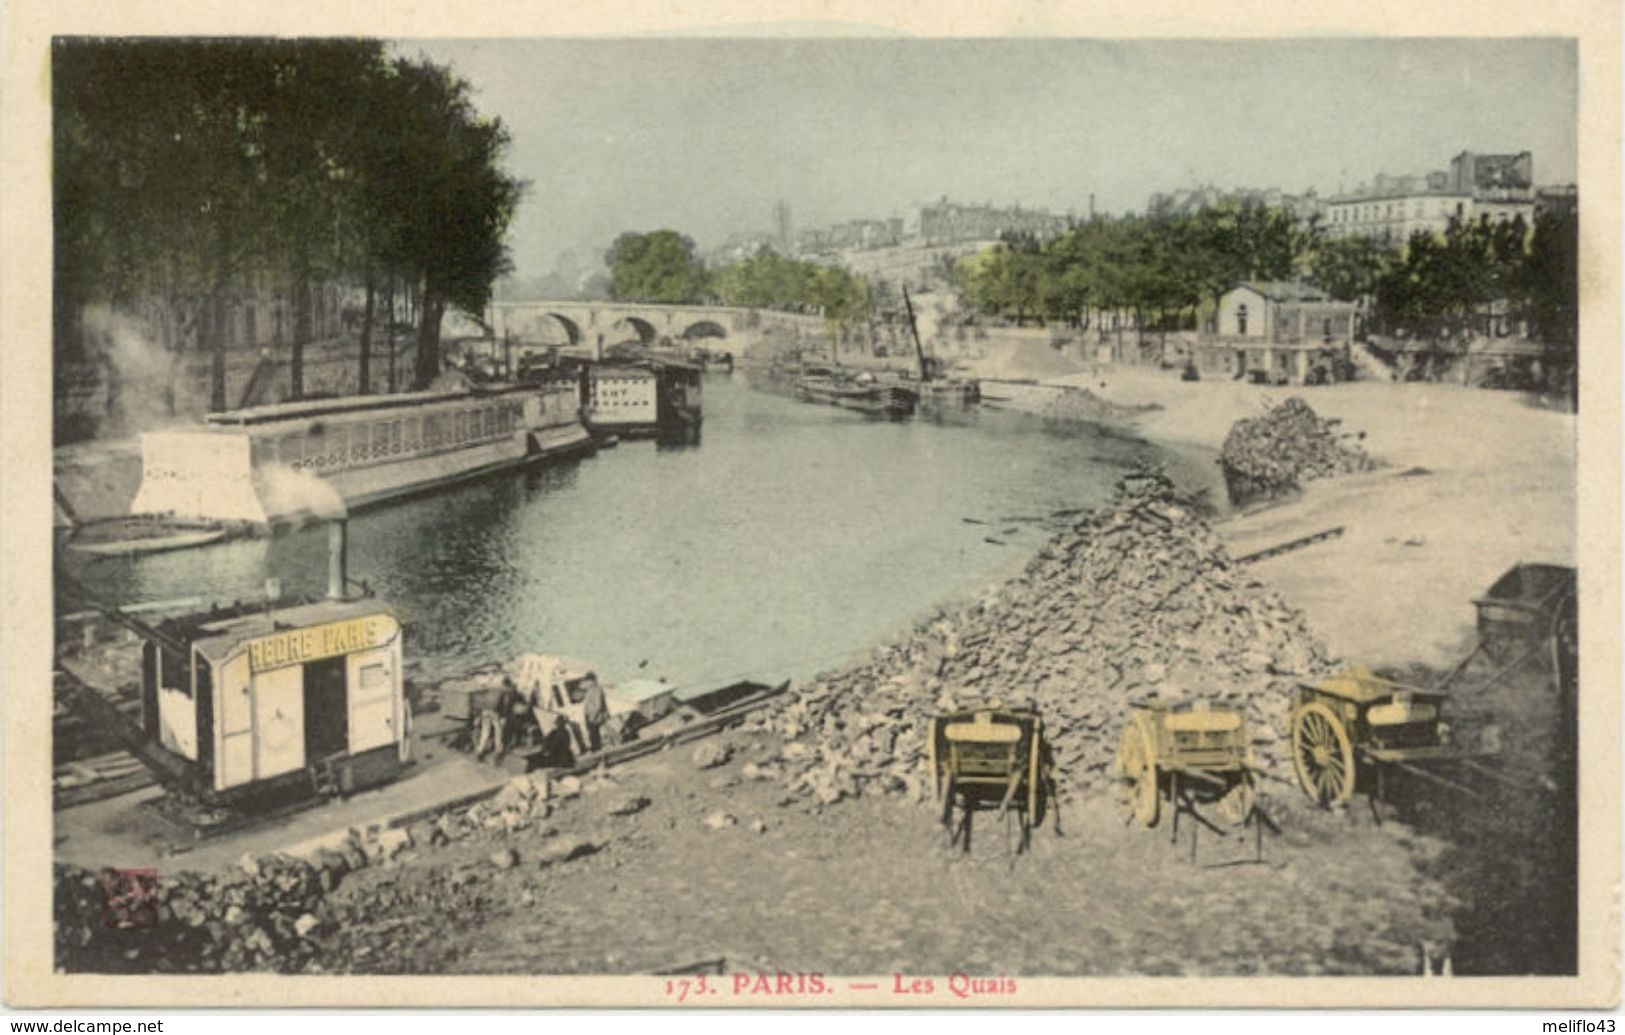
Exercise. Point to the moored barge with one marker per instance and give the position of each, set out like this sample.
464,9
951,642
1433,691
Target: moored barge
278,464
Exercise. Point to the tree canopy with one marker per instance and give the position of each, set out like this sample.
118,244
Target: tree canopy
190,171
769,280
655,267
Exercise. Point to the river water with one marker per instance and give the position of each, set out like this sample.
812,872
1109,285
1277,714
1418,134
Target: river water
792,537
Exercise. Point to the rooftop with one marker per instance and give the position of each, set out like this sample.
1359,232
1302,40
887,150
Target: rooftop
1285,290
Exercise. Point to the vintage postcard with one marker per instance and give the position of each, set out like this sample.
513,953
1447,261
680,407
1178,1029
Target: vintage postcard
861,507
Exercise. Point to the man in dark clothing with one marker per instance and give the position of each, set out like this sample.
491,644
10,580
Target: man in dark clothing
594,712
510,704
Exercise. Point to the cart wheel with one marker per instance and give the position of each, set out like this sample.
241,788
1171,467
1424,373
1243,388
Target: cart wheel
1236,804
1566,638
1323,754
1137,777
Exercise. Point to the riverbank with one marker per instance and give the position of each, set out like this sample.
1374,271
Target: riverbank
1472,482
769,878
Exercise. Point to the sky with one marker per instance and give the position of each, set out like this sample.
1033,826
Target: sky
704,136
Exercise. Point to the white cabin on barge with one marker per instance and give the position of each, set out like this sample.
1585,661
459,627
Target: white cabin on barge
275,464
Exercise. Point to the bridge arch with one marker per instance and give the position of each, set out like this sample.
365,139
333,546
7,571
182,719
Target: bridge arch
645,331
704,329
572,330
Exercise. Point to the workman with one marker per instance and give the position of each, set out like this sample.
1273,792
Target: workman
485,728
511,711
496,721
594,712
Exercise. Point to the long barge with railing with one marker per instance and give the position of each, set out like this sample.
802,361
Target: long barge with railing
279,464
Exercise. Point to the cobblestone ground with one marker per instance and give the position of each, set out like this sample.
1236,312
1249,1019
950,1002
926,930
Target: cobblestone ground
870,887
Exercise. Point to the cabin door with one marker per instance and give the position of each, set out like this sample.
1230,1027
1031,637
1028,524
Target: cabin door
279,721
327,722
372,699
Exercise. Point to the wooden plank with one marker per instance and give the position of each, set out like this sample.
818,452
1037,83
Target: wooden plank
1291,544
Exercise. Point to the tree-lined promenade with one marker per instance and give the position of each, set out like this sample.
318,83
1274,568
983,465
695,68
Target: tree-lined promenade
192,174
1168,269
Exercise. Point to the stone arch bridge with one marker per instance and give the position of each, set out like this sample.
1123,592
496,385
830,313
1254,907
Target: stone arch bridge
596,325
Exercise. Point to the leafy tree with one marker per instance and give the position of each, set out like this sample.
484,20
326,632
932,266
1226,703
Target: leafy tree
768,280
449,202
1003,279
1349,268
656,267
1550,282
189,173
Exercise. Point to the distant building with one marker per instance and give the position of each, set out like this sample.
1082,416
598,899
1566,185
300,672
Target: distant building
1487,176
1392,217
740,247
1190,200
1392,208
1563,200
1280,329
949,222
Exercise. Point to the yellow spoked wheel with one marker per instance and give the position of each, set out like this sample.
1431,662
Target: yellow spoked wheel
1322,754
1137,777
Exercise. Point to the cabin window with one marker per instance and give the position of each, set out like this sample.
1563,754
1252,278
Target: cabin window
380,438
204,673
374,677
395,436
358,442
1241,318
172,671
338,444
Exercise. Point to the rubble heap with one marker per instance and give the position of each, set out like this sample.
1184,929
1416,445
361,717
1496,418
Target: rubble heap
259,917
1267,455
273,913
1137,600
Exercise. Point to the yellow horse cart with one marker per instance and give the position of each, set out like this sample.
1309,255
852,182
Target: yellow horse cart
992,757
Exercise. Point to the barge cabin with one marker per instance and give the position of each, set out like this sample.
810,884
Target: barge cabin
305,698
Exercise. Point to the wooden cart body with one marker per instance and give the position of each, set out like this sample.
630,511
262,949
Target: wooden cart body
1346,727
1190,754
990,756
1525,608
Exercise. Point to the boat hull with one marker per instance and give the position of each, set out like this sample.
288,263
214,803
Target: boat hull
280,472
877,400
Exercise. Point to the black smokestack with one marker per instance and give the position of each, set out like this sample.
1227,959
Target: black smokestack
338,548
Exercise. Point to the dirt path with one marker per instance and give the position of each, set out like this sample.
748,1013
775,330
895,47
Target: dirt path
1474,482
869,887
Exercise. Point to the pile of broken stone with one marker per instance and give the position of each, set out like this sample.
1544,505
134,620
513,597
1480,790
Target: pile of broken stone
1138,601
